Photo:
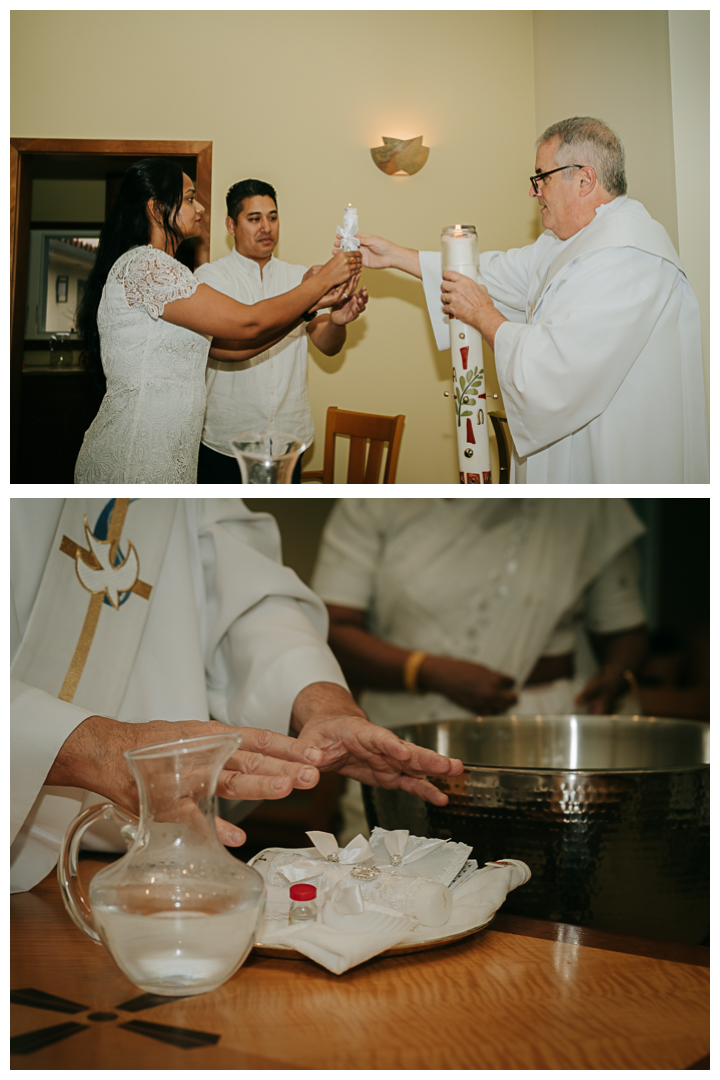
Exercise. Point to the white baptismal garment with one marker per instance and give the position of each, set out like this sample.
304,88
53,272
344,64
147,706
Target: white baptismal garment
268,391
499,582
229,633
600,365
148,427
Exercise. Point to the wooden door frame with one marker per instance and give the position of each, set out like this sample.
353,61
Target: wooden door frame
21,154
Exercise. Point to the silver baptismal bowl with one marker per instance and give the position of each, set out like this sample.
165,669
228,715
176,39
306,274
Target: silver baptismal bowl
611,814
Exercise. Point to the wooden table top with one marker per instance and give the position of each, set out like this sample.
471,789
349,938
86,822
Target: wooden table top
522,994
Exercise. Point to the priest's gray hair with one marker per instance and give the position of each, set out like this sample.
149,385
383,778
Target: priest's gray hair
587,141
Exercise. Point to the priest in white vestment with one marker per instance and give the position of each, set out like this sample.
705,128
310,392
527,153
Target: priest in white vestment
595,327
142,621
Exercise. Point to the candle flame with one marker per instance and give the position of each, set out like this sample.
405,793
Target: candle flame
458,230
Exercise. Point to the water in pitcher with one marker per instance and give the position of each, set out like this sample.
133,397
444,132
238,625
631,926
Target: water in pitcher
177,952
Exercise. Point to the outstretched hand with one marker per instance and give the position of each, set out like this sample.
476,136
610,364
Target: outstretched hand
373,755
266,766
376,252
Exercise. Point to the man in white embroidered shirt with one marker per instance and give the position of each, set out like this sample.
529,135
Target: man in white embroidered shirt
264,388
595,327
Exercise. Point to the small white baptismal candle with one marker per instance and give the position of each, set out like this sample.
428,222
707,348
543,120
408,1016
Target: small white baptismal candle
349,228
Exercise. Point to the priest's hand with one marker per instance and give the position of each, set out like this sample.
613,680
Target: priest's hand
266,766
328,719
466,300
380,254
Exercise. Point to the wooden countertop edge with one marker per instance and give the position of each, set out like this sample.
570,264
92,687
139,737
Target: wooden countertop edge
610,940
504,923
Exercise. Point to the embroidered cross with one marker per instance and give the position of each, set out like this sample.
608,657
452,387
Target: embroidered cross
98,573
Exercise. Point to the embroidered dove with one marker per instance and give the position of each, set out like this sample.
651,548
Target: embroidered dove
112,580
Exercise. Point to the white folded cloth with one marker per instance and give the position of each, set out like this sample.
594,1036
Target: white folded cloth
437,860
338,950
356,921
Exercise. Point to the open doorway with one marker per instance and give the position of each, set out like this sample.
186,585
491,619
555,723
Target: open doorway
60,191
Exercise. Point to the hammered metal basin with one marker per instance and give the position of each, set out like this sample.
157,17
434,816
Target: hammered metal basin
610,813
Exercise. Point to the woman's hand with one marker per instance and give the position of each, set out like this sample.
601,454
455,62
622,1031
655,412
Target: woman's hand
337,296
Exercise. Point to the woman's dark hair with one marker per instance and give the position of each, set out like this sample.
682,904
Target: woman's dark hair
127,226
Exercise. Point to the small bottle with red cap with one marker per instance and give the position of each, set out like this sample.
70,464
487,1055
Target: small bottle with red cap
302,903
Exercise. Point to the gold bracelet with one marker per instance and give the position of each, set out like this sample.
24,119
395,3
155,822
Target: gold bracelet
411,668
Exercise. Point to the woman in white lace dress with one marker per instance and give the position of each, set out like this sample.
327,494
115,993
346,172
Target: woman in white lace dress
143,318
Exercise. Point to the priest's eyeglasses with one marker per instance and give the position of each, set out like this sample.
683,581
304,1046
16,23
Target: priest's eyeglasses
542,175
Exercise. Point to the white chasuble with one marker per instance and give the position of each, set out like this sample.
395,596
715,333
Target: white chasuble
94,598
600,364
79,646
190,615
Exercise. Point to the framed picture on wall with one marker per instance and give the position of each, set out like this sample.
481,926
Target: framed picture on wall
61,290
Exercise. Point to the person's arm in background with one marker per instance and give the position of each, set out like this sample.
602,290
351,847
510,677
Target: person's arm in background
343,311
615,621
345,574
368,662
619,654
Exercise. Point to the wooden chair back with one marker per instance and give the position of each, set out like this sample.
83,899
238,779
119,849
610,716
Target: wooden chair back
368,434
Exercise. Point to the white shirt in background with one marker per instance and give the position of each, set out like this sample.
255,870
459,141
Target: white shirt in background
269,391
499,582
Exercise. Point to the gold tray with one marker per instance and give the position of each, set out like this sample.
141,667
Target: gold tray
283,952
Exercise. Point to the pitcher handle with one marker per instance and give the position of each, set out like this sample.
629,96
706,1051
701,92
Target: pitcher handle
71,888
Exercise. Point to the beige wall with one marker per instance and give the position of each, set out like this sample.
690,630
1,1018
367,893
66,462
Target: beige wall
298,98
690,75
301,522
615,65
647,73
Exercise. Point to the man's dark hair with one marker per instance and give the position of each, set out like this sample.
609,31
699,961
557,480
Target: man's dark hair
246,189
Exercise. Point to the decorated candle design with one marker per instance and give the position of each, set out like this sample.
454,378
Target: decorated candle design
348,230
459,250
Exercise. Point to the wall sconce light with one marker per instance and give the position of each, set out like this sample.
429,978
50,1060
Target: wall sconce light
400,157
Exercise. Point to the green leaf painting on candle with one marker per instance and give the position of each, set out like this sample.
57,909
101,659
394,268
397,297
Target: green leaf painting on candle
467,391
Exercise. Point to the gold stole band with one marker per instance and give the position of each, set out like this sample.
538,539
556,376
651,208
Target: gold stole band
92,605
